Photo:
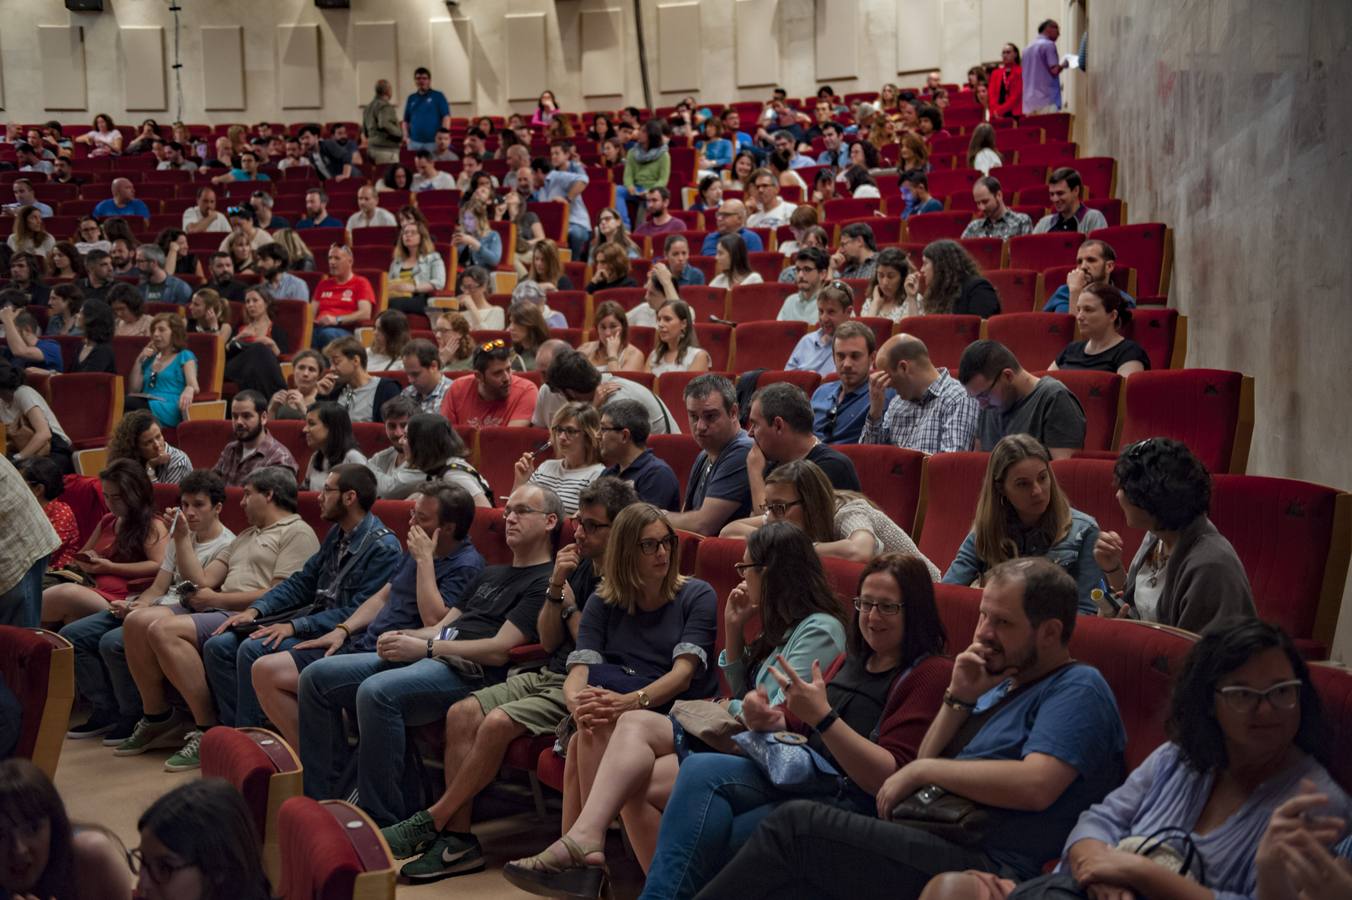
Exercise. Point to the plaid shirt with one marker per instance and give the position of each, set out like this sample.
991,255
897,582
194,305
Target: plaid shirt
235,465
944,420
1011,224
432,402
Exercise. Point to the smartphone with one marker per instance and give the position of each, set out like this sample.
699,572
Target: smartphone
173,523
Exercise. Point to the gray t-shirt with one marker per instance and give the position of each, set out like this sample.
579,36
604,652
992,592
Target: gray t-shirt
660,418
1050,413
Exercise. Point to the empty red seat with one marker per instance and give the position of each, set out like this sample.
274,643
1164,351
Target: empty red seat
954,181
1099,176
891,477
288,433
677,450
928,227
1055,126
1210,410
705,301
946,336
758,302
499,449
1114,210
1042,251
714,564
952,485
1162,333
716,339
1036,338
1015,178
38,667
989,252
1100,393
331,850
765,345
265,770
846,208
1147,248
88,405
1050,153
1017,288
203,440
370,437
886,229
489,536
805,379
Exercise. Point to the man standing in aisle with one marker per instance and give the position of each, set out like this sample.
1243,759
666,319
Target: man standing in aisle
425,111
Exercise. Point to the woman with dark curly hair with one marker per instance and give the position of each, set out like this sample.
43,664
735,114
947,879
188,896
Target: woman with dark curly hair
1245,730
1186,574
138,438
949,282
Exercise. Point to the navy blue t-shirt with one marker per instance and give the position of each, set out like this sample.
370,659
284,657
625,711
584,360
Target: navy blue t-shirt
454,573
653,479
723,478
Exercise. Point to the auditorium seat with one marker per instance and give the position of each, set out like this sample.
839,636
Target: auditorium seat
1162,333
88,405
395,514
1147,247
1100,394
1099,175
1089,487
954,181
1017,289
843,209
946,336
806,379
499,449
989,252
38,667
1334,684
926,228
1123,277
1015,178
488,533
671,388
1035,338
573,306
716,339
891,477
265,770
764,345
1210,410
1293,538
1050,153
204,439
678,451
881,326
331,850
370,437
758,302
714,564
705,301
647,379
1114,210
887,230
1042,251
288,433
952,486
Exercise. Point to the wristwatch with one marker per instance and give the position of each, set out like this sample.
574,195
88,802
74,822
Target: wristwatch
826,722
644,701
567,613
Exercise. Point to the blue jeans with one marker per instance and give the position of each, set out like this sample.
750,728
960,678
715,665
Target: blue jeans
387,698
578,236
229,665
325,333
21,605
715,805
415,146
101,671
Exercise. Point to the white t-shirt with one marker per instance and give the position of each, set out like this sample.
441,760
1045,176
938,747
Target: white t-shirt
205,551
986,159
772,218
567,483
315,476
25,398
192,215
381,218
642,315
663,422
721,281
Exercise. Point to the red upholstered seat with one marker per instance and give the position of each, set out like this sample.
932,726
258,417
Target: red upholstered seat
1335,691
370,437
332,851
927,227
952,485
288,433
954,181
1042,251
716,339
946,336
989,252
1292,537
714,564
891,477
1051,153
265,771
1015,178
203,440
499,449
843,576
845,208
1017,289
1100,393
1035,338
1099,175
705,301
647,379
1162,333
38,667
765,345
1147,248
676,450
490,537
805,379
573,306
627,297
758,302
549,769
1055,126
395,514
88,405
1088,485
1210,410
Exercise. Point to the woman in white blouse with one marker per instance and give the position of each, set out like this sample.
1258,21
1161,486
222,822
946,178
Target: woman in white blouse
104,139
677,348
732,265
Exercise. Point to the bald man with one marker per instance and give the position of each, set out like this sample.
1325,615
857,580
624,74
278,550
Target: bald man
731,217
546,352
122,203
931,412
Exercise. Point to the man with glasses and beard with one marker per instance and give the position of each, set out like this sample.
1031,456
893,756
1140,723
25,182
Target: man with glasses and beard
254,447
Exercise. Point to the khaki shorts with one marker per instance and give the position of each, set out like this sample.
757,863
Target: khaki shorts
533,700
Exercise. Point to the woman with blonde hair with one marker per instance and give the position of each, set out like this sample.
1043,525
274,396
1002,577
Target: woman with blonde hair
164,377
386,353
575,434
527,329
29,234
416,270
611,351
476,241
530,234
1022,512
981,152
209,313
240,247
546,268
302,259
678,348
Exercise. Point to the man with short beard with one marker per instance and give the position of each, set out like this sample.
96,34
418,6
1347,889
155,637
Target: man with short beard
254,447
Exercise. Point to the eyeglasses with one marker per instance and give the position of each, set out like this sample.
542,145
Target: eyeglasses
778,510
159,870
611,428
1284,695
985,395
742,567
649,546
589,526
567,431
865,605
520,511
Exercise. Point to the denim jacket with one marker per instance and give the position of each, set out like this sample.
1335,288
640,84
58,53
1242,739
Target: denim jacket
319,612
1074,553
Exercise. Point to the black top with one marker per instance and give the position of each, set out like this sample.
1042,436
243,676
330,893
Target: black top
836,466
583,581
1110,360
978,298
858,696
502,594
100,359
607,285
230,290
565,283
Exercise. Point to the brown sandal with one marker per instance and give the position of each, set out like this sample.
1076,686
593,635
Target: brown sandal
543,875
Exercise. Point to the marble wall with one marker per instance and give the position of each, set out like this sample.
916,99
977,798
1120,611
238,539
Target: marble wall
1226,120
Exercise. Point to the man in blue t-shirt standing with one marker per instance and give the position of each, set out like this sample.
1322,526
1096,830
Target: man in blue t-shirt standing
425,111
1024,731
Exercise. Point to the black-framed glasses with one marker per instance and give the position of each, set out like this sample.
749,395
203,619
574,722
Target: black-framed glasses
742,567
566,431
589,526
520,511
778,509
886,607
985,396
611,428
1284,695
159,870
649,546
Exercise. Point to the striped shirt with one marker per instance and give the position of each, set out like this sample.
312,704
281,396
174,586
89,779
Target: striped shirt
174,470
567,483
944,420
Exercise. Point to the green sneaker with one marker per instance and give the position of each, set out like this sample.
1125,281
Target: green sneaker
411,836
148,735
451,854
187,758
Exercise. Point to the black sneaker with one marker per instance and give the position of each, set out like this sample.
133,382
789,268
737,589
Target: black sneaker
122,729
98,723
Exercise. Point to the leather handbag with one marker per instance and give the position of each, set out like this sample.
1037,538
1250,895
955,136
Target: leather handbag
949,816
790,764
709,723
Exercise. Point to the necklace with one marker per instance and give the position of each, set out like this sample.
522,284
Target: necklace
1159,559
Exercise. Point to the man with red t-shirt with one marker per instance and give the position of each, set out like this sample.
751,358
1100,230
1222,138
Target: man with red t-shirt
340,301
494,396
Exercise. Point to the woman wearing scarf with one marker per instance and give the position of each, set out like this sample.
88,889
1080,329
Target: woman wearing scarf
647,165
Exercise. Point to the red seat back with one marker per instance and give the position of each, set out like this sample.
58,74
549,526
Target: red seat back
1088,485
257,763
891,477
489,536
1146,248
25,668
806,380
845,208
1017,288
716,339
946,336
1036,338
758,302
1156,330
1100,394
1335,691
573,306
928,227
765,345
327,848
989,252
705,301
203,440
288,433
676,450
714,564
499,449
1042,251
952,486
85,403
1203,408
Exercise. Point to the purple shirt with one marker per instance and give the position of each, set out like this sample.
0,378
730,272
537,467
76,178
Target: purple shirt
1040,87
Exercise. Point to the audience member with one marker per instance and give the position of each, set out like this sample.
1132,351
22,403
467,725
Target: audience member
328,435
915,183
1014,401
30,236
995,219
677,346
31,428
885,296
45,479
253,447
950,283
425,112
811,265
780,423
1006,84
138,437
1101,312
858,253
612,348
931,411
123,202
814,350
1095,261
838,407
23,347
575,436
128,311
570,378
221,269
731,219
623,449
772,210
659,220
732,266
204,216
95,321
718,490
380,126
163,378
342,300
157,285
1041,71
25,280
494,396
307,367
555,181
1068,210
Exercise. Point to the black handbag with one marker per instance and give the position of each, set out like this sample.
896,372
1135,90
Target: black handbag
949,816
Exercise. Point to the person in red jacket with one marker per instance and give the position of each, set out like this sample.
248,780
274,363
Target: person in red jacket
1006,87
